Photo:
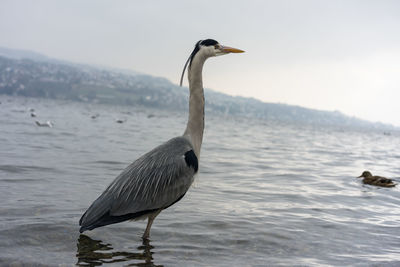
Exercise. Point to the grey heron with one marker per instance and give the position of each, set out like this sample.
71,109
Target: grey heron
160,178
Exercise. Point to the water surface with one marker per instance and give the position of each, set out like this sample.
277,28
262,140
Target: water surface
267,193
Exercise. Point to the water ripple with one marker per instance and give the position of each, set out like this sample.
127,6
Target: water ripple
24,168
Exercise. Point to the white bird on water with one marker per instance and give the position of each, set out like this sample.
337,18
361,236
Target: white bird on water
161,177
44,124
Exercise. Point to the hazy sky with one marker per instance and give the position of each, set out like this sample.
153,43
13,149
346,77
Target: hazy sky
330,55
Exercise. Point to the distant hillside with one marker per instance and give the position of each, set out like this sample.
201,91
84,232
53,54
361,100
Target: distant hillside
30,74
20,54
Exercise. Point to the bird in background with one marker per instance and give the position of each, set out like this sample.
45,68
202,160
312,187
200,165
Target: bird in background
376,180
44,124
160,178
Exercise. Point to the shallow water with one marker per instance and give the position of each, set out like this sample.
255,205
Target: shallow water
267,193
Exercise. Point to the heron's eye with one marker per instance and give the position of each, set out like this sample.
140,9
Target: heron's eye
216,46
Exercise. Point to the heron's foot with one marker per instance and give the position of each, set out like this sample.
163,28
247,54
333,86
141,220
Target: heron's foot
146,236
151,218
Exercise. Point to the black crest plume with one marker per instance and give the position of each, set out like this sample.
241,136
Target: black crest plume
206,42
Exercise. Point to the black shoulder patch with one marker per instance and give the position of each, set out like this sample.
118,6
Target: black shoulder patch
191,160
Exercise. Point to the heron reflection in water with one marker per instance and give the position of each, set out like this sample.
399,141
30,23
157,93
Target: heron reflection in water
161,177
95,252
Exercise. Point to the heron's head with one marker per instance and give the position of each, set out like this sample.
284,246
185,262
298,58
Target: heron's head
211,48
208,48
365,174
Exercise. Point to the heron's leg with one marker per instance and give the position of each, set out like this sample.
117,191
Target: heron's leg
149,223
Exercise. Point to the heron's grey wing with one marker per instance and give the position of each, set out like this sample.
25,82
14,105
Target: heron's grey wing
154,181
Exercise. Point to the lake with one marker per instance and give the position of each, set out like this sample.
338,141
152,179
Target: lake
267,193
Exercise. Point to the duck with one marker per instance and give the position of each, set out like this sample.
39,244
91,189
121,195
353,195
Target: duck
376,180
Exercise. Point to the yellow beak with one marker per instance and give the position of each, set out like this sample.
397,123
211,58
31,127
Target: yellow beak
228,49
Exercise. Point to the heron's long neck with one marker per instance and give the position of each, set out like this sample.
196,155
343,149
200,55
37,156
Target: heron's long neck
195,126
